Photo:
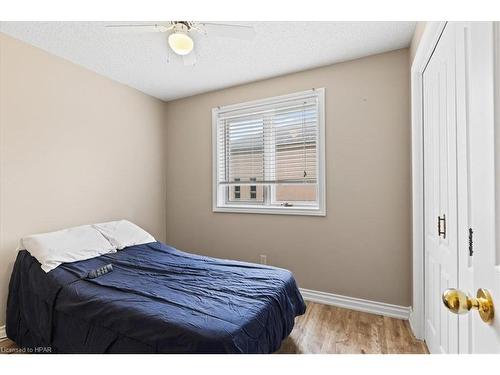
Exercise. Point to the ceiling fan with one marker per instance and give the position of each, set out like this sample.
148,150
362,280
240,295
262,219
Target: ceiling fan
179,39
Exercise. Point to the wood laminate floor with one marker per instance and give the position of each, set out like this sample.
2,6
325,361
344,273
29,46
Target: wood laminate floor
334,330
328,329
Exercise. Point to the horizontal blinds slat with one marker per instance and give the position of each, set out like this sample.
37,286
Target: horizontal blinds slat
293,133
255,137
280,145
272,109
271,182
269,126
277,121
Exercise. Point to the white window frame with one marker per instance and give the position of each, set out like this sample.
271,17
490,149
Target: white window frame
218,196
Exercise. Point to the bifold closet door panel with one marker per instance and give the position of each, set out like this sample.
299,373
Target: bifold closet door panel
440,189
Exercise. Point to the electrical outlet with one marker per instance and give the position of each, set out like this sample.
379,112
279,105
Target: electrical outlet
263,259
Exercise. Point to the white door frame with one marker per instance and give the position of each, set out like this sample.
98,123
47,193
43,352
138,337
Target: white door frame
428,42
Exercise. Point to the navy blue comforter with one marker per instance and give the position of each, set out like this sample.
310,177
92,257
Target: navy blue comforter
156,300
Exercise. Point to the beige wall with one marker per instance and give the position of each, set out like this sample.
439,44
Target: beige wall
417,35
75,148
362,247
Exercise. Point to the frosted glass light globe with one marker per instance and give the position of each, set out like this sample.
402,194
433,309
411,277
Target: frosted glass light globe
180,43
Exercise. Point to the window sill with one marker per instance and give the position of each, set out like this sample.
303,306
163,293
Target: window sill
302,211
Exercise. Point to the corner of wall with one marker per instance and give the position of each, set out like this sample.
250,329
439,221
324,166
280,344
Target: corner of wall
415,41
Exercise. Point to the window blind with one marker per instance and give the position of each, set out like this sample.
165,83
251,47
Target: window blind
275,143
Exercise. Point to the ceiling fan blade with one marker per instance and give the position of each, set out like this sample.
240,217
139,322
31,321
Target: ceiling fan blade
229,31
151,28
189,59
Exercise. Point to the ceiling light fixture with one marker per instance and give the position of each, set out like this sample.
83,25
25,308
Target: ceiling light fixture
180,33
180,43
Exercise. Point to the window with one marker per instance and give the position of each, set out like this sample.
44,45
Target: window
269,155
253,189
237,190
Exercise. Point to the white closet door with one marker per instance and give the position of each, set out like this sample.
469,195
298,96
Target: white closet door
464,191
478,73
440,189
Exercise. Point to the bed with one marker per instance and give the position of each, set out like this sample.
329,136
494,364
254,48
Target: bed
157,299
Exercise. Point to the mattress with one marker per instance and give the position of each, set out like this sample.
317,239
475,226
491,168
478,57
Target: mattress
157,299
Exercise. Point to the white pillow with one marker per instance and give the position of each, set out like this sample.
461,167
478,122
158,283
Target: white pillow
67,245
123,233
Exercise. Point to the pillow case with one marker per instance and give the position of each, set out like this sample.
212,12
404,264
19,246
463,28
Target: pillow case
123,233
67,245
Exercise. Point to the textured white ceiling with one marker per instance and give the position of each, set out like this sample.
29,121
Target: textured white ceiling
143,61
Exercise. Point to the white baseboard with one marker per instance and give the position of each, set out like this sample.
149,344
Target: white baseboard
358,304
3,334
415,326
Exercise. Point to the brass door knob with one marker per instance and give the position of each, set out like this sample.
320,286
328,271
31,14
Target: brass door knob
459,303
